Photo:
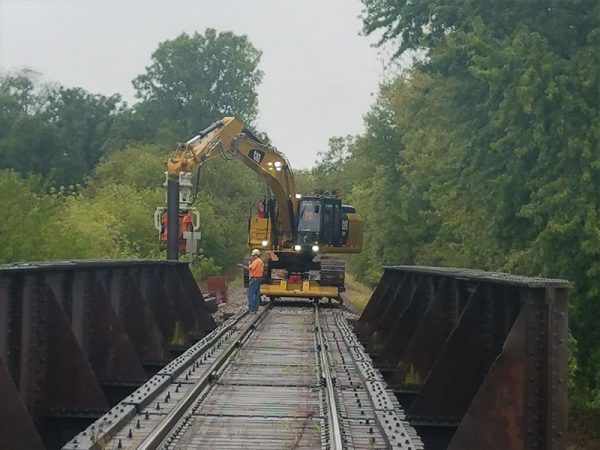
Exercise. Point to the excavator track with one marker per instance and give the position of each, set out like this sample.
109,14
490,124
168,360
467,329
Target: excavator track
333,272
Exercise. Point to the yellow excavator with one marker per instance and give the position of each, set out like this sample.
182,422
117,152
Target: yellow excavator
298,233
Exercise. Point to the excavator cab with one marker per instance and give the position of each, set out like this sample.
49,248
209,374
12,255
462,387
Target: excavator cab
319,223
327,225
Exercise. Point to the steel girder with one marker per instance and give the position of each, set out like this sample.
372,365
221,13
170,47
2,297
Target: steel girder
477,359
77,336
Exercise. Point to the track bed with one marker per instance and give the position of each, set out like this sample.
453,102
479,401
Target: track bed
287,377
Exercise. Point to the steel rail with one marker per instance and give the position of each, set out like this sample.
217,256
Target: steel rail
175,367
161,432
88,439
377,392
334,429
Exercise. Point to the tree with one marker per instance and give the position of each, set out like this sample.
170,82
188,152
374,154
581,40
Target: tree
195,80
228,193
499,151
90,168
115,219
425,25
83,123
51,130
140,165
329,173
23,217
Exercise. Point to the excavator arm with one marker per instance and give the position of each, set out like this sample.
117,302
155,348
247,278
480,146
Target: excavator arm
229,138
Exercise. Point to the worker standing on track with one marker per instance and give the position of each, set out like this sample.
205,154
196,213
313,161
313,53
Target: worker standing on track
255,273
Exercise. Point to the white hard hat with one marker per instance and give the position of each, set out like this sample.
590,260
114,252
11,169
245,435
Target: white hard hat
255,252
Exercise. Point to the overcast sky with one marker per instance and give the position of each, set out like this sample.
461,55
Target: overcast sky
320,75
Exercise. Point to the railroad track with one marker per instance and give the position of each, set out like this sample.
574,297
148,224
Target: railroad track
284,378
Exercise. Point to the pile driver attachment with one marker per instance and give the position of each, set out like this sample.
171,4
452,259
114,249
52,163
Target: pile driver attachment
189,218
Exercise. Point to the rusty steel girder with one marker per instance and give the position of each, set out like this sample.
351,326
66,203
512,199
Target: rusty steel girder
477,359
77,336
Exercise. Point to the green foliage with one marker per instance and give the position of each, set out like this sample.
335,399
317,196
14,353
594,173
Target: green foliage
195,80
62,133
83,122
330,170
487,153
205,266
305,181
115,221
140,165
99,164
29,228
51,130
228,194
426,24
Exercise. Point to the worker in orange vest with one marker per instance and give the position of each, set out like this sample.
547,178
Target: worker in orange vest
255,273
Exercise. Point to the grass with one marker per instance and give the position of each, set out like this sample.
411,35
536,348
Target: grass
236,282
357,295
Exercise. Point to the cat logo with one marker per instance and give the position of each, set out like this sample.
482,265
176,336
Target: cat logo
256,155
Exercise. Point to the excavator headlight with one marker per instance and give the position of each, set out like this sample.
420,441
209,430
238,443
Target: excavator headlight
277,163
298,196
315,248
297,248
265,243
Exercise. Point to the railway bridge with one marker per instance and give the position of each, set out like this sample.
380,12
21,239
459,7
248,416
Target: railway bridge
126,354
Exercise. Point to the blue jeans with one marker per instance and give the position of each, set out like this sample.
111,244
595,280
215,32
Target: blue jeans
254,294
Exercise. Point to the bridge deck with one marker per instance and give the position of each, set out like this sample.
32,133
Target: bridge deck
284,378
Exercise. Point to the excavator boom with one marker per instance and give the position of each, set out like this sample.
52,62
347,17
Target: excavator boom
230,138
